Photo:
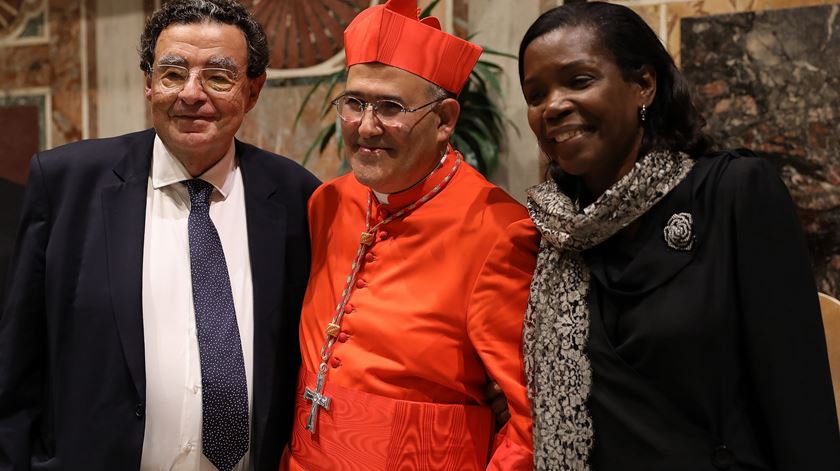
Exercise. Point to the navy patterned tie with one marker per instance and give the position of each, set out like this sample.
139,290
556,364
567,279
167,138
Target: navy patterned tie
224,434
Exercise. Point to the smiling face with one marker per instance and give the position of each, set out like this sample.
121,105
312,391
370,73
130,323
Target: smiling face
196,124
392,158
583,111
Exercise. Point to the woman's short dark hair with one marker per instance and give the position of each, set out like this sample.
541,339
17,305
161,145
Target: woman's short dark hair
198,11
673,122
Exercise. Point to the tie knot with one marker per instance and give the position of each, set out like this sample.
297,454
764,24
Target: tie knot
199,191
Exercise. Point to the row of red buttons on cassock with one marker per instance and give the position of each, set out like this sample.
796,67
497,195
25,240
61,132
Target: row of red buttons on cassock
335,361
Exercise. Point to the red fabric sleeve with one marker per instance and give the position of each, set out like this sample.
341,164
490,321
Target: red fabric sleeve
495,315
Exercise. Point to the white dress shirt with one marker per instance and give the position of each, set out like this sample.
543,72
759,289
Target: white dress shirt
172,438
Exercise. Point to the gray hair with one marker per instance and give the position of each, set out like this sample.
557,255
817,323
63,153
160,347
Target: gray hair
436,92
199,11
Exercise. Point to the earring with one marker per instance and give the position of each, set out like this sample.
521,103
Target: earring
643,113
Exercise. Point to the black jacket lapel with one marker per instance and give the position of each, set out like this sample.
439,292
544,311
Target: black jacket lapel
124,208
266,217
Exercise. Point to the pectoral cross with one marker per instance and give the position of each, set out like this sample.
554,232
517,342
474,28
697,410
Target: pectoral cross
318,399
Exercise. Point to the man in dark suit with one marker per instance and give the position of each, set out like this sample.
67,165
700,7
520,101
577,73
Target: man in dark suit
152,316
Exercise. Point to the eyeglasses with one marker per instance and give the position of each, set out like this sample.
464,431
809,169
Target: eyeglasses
390,113
175,77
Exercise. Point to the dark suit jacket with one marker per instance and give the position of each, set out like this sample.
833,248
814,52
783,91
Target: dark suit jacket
72,373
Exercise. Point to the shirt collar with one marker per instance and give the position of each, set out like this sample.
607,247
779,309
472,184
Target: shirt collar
168,170
408,196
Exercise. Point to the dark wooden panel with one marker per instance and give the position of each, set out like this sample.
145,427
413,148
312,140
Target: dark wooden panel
19,131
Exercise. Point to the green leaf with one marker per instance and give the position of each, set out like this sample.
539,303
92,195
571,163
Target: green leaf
475,85
341,75
428,10
482,126
466,150
306,100
323,136
331,131
489,75
494,52
490,65
473,153
487,151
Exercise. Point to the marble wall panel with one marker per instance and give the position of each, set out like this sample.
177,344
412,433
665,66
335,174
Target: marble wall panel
65,67
50,54
664,16
24,66
765,85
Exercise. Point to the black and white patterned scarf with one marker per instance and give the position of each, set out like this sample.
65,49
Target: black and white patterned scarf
556,326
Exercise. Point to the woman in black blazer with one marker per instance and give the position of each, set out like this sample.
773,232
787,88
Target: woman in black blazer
673,322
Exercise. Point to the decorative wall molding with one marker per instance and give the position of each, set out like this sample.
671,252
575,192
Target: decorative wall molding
306,37
23,22
34,96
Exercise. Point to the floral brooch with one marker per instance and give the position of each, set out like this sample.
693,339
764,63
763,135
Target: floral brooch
679,232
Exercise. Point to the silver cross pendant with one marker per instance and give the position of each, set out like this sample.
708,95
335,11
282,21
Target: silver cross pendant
318,399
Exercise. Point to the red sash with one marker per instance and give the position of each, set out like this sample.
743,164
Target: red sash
364,431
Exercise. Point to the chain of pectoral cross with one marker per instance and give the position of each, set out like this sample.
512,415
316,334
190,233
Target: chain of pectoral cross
366,240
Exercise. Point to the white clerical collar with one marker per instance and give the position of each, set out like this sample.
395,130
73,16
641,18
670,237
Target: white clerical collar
168,170
383,197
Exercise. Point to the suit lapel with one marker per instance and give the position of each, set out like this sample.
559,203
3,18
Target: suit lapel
266,219
124,208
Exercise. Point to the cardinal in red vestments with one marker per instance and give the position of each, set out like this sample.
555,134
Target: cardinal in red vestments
420,273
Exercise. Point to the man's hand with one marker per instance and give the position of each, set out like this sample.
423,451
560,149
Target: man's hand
498,402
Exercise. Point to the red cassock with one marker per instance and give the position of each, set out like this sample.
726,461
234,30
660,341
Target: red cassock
435,310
